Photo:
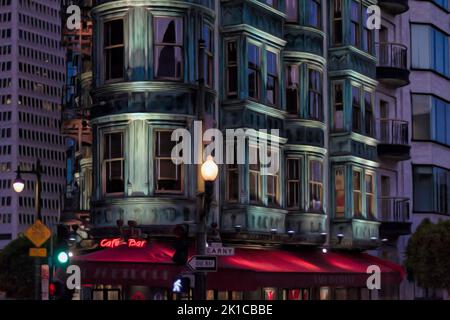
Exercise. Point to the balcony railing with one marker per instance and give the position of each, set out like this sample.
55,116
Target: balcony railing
394,209
394,132
392,55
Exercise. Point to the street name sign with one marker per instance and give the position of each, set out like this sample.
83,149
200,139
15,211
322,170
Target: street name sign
38,233
220,251
203,263
38,252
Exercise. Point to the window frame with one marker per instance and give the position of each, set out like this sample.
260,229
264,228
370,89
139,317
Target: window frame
315,183
104,161
372,195
358,192
342,214
112,47
316,93
295,67
257,70
228,66
297,181
276,77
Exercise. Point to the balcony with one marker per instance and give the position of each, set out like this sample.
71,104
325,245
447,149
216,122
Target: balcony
394,217
394,140
392,67
394,7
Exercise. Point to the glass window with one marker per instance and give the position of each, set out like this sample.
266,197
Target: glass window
233,179
357,194
254,175
292,89
253,71
272,180
368,34
168,176
315,13
113,163
355,19
168,37
315,185
337,22
339,192
292,10
431,191
356,109
315,95
338,106
369,118
208,37
113,47
293,183
232,67
370,196
272,78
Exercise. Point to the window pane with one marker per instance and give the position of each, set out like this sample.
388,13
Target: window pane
168,36
356,103
339,188
168,62
314,15
113,33
168,30
338,107
423,189
292,86
421,105
292,10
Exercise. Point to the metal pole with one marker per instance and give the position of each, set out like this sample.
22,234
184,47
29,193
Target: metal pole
38,194
200,277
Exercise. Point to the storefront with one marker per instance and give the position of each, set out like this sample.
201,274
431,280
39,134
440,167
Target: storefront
252,273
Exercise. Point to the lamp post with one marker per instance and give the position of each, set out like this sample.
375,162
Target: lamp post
209,172
19,186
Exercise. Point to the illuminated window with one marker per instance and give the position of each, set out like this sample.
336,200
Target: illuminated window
272,180
168,37
254,175
113,163
339,192
168,176
114,49
370,196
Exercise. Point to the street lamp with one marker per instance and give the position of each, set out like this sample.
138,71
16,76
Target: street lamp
209,171
18,186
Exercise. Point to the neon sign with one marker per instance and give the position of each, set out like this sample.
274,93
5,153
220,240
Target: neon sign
114,243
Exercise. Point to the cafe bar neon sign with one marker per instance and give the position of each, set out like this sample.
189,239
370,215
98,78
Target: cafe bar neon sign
114,243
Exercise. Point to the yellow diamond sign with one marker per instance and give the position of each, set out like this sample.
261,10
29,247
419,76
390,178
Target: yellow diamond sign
38,233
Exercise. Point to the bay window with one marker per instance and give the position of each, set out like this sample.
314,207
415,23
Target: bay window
113,49
292,89
113,163
272,78
293,183
231,69
168,47
315,95
168,176
339,193
253,71
315,185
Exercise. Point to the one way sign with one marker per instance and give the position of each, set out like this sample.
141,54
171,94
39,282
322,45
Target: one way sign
203,263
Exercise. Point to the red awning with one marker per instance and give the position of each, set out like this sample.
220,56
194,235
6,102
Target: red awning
247,270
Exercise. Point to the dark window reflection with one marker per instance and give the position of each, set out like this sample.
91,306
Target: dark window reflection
168,35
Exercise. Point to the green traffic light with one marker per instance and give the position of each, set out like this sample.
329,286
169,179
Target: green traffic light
63,257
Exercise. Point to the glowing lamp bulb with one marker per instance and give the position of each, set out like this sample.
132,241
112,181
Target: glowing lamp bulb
209,169
63,257
18,185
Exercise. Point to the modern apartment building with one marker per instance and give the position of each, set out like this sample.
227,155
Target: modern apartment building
32,65
362,134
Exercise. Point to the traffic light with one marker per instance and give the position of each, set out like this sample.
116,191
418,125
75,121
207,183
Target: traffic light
61,253
58,291
181,244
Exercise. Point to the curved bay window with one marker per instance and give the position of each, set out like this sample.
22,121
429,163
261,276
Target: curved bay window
315,185
315,103
113,50
168,47
168,176
113,163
